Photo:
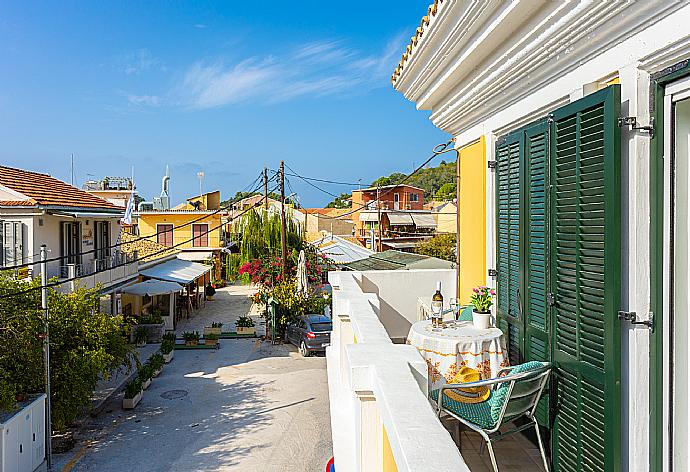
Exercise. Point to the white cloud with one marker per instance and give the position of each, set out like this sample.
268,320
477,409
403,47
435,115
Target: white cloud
144,100
317,69
140,61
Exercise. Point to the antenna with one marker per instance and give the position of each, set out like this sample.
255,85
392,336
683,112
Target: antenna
201,176
72,170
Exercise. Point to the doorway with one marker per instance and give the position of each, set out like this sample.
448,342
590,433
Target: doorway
676,293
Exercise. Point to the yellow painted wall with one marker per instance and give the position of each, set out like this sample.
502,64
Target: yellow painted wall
472,218
148,222
389,464
447,219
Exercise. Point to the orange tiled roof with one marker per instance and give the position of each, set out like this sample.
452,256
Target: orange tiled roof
42,189
431,12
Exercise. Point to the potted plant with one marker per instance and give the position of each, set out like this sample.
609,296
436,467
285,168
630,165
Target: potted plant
133,394
145,374
213,329
245,325
211,339
141,335
156,362
191,338
167,350
482,299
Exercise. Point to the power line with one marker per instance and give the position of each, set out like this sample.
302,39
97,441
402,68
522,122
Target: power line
139,238
335,182
166,249
437,151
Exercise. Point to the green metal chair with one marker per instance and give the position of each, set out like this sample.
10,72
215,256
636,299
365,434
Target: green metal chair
465,313
514,394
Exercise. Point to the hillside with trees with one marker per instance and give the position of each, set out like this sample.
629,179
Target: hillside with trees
438,184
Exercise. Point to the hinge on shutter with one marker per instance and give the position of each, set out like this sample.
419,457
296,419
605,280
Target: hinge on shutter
550,299
632,122
492,164
632,317
493,272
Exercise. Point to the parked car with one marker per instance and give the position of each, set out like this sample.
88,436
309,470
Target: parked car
310,333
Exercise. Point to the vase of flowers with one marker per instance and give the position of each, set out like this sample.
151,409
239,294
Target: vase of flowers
482,299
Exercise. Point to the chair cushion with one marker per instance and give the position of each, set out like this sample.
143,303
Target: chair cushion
466,313
499,396
477,413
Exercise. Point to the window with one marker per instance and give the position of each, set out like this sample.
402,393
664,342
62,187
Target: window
164,234
11,239
414,197
200,235
70,242
101,239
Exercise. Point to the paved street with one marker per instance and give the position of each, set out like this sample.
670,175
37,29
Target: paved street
248,406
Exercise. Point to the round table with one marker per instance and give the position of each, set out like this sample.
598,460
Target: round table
458,344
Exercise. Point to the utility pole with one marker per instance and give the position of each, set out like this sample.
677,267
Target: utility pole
282,217
46,354
266,188
379,246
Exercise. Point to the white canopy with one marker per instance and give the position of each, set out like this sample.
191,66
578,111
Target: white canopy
177,270
368,216
424,220
152,287
195,256
400,219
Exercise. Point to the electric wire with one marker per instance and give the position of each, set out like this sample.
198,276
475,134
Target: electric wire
166,249
335,182
138,238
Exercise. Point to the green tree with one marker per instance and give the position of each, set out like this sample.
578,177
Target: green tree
446,191
441,246
343,201
86,345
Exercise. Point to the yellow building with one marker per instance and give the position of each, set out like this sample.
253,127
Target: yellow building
193,227
446,217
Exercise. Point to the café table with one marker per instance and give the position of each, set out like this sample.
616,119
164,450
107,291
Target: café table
455,345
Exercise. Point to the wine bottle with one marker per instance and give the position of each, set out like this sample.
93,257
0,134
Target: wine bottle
437,307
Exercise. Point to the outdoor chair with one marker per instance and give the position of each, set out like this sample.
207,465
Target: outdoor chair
465,313
514,394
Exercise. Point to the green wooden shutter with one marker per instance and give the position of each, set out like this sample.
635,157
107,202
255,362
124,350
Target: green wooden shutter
585,280
537,338
508,243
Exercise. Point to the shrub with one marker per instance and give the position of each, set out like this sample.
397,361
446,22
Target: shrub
216,324
244,322
86,345
191,336
141,335
133,387
167,346
145,372
170,336
156,361
212,337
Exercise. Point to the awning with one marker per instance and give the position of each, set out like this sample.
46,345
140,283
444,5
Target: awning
400,219
405,245
195,255
177,270
152,287
424,220
368,216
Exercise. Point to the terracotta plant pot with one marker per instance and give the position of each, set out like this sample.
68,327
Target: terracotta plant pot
191,343
208,330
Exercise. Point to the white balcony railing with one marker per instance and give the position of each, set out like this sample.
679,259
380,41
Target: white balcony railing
107,271
380,416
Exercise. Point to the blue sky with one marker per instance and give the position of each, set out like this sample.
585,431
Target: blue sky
220,87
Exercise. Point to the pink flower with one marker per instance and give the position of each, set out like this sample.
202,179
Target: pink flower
475,290
493,292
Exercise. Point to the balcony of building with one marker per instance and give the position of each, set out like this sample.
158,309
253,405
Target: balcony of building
381,418
89,272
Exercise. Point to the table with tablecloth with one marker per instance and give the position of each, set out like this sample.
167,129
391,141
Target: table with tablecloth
458,344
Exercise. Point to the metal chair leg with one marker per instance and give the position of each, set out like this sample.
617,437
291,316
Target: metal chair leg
541,447
491,454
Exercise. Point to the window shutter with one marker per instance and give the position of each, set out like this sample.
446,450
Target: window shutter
585,279
508,243
537,344
18,249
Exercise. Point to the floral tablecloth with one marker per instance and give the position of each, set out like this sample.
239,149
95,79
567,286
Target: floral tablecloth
458,344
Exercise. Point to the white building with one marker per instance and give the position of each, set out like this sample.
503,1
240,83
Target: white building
79,230
572,124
